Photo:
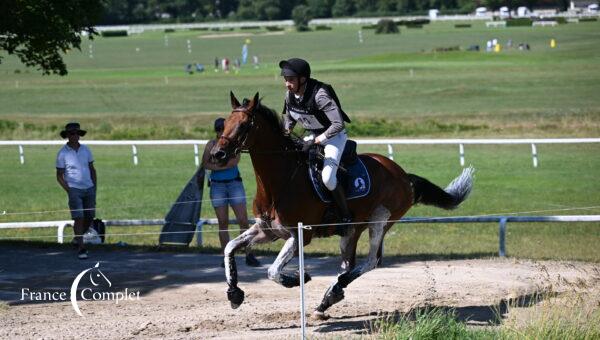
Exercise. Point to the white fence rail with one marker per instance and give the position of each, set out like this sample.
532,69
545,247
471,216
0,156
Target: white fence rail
195,142
502,220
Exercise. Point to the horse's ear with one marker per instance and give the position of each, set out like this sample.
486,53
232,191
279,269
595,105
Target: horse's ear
234,102
253,103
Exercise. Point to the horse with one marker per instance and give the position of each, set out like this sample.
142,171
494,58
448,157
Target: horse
284,197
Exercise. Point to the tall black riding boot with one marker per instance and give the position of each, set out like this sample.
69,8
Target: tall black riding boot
339,197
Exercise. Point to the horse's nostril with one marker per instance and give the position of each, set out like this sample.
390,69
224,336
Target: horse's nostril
220,155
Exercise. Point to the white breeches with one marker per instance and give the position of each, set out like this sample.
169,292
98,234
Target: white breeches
334,147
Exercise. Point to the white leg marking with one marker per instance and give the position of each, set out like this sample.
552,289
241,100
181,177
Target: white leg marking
238,242
285,255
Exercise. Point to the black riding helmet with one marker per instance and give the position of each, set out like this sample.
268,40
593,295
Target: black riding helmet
295,67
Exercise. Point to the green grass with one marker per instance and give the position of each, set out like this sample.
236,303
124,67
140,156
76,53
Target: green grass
505,183
544,92
572,316
429,324
391,85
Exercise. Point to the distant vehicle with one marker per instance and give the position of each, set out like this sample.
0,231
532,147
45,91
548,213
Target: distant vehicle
593,8
504,12
480,11
523,12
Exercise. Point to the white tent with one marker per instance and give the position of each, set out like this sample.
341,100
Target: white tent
480,11
523,12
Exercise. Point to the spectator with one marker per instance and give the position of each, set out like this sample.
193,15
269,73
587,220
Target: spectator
225,65
76,174
227,189
216,64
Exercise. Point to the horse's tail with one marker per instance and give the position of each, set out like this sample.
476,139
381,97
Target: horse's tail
454,194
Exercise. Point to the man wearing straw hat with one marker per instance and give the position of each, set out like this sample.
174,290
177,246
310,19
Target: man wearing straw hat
76,174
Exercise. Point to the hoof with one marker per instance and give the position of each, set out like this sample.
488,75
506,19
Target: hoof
316,315
293,279
235,297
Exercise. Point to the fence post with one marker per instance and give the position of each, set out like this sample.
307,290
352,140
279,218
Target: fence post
301,269
390,152
199,226
534,155
196,158
60,232
502,237
21,154
135,157
461,152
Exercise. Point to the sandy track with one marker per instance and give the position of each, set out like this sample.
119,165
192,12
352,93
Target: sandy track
183,295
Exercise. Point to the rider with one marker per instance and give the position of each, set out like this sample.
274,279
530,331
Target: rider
315,105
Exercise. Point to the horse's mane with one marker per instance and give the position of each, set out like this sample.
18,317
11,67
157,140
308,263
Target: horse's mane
269,114
275,121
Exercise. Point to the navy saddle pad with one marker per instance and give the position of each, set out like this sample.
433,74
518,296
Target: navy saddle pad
355,179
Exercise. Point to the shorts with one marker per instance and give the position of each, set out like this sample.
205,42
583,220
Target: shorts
222,194
82,203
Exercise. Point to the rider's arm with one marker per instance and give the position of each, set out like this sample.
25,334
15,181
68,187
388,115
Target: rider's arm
288,121
326,104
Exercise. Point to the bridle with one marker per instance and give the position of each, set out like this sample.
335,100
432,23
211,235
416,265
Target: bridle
242,139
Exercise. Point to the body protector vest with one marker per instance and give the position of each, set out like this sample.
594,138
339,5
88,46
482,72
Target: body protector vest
306,112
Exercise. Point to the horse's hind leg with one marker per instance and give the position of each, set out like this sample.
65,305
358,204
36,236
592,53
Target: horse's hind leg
335,293
276,272
253,235
348,248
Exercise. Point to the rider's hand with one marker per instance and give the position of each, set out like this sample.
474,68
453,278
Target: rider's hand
307,145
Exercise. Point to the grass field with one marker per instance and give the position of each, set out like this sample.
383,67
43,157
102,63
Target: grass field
392,85
542,92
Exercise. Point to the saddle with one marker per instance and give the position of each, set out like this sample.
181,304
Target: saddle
352,173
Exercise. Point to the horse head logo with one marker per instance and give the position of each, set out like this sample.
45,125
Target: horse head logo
359,184
96,278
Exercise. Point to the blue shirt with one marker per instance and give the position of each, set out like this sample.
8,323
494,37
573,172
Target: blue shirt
77,166
225,174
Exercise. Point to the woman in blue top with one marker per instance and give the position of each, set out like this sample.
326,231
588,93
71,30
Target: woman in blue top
227,189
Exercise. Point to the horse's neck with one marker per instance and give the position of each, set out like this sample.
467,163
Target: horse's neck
273,166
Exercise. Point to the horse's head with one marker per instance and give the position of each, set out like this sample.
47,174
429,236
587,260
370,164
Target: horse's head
236,130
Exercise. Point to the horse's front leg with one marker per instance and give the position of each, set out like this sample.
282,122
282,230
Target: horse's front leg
335,293
234,294
286,253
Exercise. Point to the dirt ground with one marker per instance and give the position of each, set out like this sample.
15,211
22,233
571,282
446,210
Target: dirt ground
182,295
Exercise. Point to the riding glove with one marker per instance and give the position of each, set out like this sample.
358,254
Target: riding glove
307,145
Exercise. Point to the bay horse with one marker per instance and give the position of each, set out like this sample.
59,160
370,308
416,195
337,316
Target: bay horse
285,197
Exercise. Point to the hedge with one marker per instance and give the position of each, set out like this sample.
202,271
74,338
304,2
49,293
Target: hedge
518,22
120,33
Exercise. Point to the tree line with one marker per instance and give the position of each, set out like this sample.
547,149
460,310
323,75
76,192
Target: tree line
155,11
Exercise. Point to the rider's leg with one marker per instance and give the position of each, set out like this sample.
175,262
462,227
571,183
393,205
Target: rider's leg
333,150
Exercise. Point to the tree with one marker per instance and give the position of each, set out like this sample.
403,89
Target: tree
301,15
321,8
38,31
342,8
